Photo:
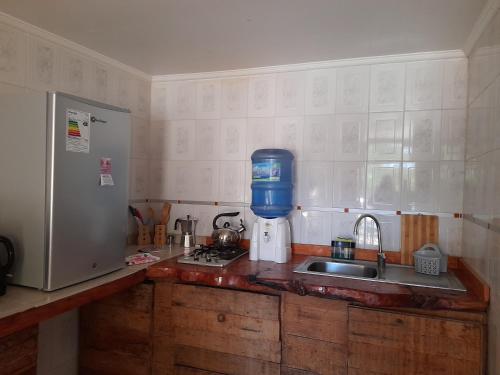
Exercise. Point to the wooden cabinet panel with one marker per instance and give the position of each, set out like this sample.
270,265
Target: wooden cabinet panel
293,371
18,352
316,318
393,343
224,363
115,333
253,305
182,370
320,357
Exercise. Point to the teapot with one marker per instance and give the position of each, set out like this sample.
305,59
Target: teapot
227,236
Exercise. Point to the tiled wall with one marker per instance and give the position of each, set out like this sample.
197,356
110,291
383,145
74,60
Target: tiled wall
481,235
41,61
384,137
38,60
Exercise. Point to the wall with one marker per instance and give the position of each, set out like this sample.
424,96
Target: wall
481,235
37,60
382,135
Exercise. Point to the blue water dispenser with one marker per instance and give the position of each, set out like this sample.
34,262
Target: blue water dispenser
272,194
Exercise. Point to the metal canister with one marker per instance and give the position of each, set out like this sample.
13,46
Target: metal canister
343,248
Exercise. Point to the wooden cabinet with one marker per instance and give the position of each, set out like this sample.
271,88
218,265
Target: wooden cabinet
217,331
18,352
115,333
383,342
314,335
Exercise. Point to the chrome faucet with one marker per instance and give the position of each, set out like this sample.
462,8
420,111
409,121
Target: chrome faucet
380,254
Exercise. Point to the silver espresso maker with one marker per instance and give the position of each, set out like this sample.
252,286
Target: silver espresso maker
188,230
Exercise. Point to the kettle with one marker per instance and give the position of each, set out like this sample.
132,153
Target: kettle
188,229
226,236
6,262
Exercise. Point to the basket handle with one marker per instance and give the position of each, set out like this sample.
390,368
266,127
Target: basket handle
433,247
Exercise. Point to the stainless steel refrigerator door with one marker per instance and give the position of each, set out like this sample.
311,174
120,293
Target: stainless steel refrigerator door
86,223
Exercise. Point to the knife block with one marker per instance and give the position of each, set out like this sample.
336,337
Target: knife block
143,235
160,238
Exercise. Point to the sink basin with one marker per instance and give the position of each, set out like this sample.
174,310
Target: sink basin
394,273
348,269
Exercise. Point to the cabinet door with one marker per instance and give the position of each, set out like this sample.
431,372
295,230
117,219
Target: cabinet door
18,352
314,336
215,330
383,342
115,333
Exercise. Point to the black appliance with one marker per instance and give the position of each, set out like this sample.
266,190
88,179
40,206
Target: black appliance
6,261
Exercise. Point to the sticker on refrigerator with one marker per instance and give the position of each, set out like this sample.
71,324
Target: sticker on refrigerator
106,177
266,171
77,131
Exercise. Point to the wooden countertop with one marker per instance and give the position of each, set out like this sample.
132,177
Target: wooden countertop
270,277
24,307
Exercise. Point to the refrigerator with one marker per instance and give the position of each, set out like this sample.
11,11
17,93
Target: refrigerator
64,186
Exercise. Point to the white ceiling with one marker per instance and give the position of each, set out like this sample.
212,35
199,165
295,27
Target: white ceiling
180,36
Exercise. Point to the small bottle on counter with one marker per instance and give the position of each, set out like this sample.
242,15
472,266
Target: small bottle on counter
343,248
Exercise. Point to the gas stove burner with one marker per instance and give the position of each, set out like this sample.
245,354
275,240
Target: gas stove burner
210,255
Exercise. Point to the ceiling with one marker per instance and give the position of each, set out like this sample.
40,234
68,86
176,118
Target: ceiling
181,36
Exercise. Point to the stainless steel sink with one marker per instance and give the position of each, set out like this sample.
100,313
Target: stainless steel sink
346,269
394,274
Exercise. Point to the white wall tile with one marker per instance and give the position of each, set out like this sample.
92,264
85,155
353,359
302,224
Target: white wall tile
205,175
424,80
320,92
13,55
208,98
248,182
139,179
262,95
385,136
318,136
352,89
422,135
234,103
140,137
43,64
122,91
289,134
181,100
158,188
181,140
158,141
349,184
233,139
101,86
180,181
75,73
207,134
316,227
290,89
390,227
249,221
205,215
295,220
420,186
450,235
315,184
260,134
159,101
455,83
343,224
383,186
350,137
451,186
387,87
453,134
231,181
143,101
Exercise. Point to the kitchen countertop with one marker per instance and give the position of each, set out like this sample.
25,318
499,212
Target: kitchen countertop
263,276
23,307
20,305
